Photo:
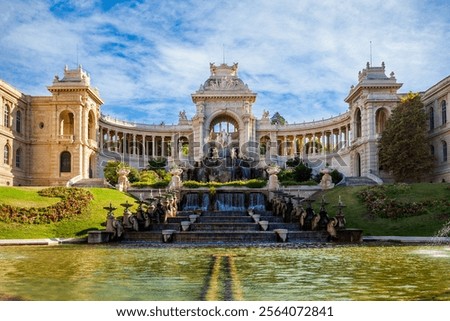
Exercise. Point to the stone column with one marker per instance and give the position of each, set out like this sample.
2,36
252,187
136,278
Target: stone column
295,145
144,146
153,146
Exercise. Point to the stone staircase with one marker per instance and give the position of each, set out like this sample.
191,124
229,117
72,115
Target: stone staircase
92,182
225,227
359,181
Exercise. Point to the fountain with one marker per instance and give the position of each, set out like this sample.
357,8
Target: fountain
228,213
337,230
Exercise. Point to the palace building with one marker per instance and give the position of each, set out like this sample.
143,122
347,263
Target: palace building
64,138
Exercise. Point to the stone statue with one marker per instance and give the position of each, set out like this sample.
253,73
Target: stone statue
175,181
265,114
326,182
215,153
182,115
114,226
122,182
273,170
331,227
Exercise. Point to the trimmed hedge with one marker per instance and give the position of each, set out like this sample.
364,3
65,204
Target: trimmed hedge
74,201
251,183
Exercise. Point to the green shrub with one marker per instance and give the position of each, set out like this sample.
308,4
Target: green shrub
293,162
110,172
158,184
157,162
251,183
286,175
380,203
336,176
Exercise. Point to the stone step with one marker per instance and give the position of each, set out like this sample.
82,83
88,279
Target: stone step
220,227
359,181
92,182
225,219
227,237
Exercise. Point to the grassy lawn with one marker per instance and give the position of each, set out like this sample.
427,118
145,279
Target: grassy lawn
76,227
426,224
25,197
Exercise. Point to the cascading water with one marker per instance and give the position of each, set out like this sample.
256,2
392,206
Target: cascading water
231,202
205,202
192,202
257,201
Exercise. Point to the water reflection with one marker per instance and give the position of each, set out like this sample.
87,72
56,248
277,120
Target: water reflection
152,274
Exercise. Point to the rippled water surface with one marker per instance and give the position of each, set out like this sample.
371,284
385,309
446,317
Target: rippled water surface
276,274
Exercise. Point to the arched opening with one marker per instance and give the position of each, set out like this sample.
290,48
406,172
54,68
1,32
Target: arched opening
6,116
223,140
6,154
314,146
431,117
19,157
183,147
18,121
92,164
357,164
66,123
91,125
358,121
224,130
264,145
380,120
65,162
444,112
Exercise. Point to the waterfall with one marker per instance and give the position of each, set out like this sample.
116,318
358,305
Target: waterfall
257,201
192,202
231,202
205,202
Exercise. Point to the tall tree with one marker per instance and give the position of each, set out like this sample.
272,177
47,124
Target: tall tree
403,148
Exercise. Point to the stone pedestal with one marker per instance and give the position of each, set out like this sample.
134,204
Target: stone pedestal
97,237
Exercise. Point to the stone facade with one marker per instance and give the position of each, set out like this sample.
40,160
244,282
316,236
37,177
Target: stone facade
50,140
62,138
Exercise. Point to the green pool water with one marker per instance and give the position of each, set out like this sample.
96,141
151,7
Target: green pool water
121,273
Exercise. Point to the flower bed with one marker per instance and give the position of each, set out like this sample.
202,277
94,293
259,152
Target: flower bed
73,202
379,202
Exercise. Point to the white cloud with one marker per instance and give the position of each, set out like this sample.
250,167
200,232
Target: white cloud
301,57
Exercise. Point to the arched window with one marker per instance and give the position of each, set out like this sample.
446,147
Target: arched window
66,123
65,163
431,116
6,150
19,157
444,151
6,116
264,145
358,123
381,118
18,121
432,150
444,112
91,125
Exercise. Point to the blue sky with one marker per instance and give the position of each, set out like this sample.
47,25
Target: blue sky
146,57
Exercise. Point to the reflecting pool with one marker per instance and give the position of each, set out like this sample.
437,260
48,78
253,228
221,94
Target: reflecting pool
127,272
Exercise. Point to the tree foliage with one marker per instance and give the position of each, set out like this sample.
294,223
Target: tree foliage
403,148
278,119
110,172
